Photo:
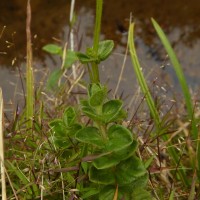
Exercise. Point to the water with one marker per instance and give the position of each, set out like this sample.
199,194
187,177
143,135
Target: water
50,20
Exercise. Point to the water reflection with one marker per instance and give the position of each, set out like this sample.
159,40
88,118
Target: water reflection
50,19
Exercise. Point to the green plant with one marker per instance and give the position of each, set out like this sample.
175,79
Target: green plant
106,150
88,153
68,57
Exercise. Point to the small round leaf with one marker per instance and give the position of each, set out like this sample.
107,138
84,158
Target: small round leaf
90,135
111,109
105,49
129,170
102,176
119,138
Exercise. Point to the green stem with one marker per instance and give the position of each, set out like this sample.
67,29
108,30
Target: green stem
102,127
99,5
97,30
103,132
95,73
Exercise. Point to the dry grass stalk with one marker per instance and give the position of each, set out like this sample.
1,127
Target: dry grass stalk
29,72
3,177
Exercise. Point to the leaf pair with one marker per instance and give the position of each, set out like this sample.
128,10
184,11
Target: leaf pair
118,138
126,172
65,128
54,77
104,50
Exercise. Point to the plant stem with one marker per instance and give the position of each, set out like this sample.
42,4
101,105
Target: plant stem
97,29
95,73
72,36
29,72
2,167
103,132
99,5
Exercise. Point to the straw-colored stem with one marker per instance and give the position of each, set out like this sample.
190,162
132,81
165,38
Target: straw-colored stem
72,36
29,72
121,72
3,177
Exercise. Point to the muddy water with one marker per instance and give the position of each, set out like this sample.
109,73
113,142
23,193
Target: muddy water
50,24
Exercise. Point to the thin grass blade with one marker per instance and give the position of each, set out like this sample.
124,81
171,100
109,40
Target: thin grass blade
184,86
150,102
140,77
180,75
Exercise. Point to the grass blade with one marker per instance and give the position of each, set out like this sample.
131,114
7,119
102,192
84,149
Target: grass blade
171,197
29,72
3,177
183,84
140,77
150,102
20,175
180,75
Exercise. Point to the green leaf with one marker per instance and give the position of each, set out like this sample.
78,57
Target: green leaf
83,58
129,170
60,142
71,131
138,183
53,49
105,49
119,138
127,152
108,193
103,176
93,88
69,116
71,57
58,128
98,98
90,135
90,52
91,113
141,194
85,166
84,103
114,158
148,162
106,161
97,94
121,115
111,109
52,82
89,192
